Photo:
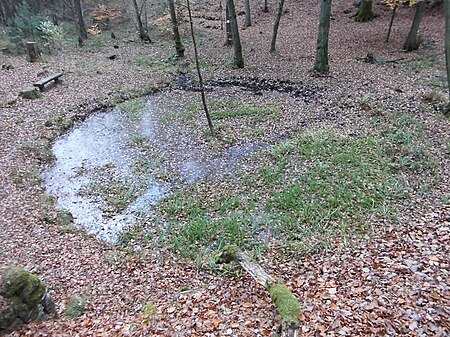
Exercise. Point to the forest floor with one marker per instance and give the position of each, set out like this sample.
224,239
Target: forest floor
391,278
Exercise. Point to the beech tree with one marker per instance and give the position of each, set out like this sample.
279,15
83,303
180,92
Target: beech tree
365,11
275,26
321,64
238,58
176,34
447,51
82,32
228,36
199,73
412,41
248,20
143,35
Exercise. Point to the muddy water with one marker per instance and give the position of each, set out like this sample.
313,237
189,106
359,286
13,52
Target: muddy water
103,149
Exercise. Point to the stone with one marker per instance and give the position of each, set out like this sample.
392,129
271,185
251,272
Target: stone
23,298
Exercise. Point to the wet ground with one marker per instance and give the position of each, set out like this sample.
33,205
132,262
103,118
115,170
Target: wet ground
112,169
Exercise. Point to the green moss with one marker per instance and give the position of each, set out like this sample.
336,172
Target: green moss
229,253
149,309
287,305
20,308
14,280
30,94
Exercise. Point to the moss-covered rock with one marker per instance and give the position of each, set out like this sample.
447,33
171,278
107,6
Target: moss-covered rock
23,298
30,94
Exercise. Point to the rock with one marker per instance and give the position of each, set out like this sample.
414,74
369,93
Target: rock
23,298
30,94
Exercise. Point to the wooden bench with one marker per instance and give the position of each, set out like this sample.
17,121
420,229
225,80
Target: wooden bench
41,83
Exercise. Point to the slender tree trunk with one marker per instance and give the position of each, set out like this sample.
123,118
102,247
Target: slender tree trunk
248,19
275,26
321,65
176,34
365,11
238,58
228,37
142,33
394,10
413,42
266,7
82,32
199,73
447,51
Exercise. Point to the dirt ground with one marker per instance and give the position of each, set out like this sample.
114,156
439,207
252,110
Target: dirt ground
395,283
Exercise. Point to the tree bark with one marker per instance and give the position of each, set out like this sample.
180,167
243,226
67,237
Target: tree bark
394,10
82,32
321,64
199,73
266,7
176,34
142,33
365,11
32,51
248,19
447,51
413,42
238,58
228,37
275,26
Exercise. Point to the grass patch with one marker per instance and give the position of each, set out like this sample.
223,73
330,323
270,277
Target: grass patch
232,108
304,192
133,106
116,194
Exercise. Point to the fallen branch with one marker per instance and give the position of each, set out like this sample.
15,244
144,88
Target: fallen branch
287,305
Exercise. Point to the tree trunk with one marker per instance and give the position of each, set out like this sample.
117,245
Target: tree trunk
266,7
447,51
142,33
228,37
82,32
33,51
275,26
176,34
321,65
413,41
238,58
394,10
248,20
365,11
199,73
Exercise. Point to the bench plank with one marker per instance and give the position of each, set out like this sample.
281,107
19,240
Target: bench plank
42,82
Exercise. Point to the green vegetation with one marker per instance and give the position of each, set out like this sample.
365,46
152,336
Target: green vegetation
306,192
29,25
76,305
132,106
287,305
232,108
114,192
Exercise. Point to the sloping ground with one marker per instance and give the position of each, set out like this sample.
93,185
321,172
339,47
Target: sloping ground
396,283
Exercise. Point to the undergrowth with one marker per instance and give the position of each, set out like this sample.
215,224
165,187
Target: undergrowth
304,193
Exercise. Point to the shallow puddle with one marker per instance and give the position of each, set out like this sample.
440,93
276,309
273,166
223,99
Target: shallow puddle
108,169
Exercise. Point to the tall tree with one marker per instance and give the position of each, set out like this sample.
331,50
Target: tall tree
143,35
199,73
412,41
238,58
176,34
321,64
266,7
248,19
82,32
447,51
365,11
275,26
228,36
